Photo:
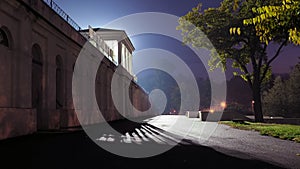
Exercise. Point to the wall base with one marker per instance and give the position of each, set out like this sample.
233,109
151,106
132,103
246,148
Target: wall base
17,122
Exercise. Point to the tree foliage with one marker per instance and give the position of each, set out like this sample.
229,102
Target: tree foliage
283,99
232,40
293,89
277,21
155,79
275,100
240,31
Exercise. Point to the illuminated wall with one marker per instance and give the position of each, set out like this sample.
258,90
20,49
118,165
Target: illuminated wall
38,53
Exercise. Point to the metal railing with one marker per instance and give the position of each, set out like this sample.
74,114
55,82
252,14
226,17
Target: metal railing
62,14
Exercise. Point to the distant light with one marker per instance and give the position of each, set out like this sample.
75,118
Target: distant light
253,101
211,110
223,104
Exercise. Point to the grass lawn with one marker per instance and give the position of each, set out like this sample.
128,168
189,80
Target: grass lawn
283,131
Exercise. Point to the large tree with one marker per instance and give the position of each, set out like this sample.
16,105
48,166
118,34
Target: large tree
284,97
293,92
235,41
275,100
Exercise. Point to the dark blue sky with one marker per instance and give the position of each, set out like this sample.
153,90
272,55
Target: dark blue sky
100,12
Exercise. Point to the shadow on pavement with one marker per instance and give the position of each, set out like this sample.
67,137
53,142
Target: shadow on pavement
75,150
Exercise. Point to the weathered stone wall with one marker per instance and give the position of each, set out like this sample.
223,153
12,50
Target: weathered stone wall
34,29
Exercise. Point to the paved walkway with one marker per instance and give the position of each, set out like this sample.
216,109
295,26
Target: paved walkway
226,148
233,142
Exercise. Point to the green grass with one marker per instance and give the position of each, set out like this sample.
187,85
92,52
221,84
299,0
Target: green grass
283,131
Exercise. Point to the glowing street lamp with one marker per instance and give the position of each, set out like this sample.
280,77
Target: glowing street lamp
223,105
252,105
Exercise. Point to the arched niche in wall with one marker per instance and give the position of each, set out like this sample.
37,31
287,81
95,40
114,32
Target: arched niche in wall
4,37
6,68
37,69
59,83
36,83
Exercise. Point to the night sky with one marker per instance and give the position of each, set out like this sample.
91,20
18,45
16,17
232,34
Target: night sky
100,12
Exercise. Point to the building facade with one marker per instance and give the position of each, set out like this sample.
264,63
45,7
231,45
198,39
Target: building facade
38,51
114,44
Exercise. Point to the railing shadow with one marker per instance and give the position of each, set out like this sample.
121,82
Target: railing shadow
76,150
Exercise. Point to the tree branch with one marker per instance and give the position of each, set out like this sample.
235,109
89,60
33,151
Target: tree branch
252,57
272,59
244,68
278,51
262,55
260,62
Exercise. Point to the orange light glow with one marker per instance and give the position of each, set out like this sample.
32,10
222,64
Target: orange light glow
223,104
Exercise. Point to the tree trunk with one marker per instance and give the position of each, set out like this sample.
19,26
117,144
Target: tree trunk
257,103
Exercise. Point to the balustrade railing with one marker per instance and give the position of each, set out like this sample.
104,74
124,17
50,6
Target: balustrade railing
101,45
62,14
94,38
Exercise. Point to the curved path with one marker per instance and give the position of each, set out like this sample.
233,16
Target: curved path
233,142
